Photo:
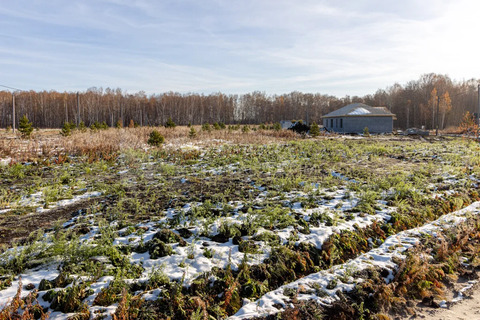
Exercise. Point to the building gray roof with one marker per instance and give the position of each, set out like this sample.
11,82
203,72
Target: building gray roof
360,110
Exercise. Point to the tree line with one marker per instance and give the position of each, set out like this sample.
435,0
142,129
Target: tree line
414,103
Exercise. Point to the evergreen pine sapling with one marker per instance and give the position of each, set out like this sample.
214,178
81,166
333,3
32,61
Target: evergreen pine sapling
170,123
206,127
314,130
82,127
66,129
193,133
25,127
155,139
366,132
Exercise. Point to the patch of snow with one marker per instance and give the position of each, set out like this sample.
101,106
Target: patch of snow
5,162
35,199
342,177
359,111
460,295
27,277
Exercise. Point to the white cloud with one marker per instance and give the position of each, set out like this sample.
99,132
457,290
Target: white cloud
335,47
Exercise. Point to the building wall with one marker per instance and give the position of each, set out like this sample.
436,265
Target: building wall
357,124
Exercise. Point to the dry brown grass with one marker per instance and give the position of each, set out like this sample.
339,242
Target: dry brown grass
47,143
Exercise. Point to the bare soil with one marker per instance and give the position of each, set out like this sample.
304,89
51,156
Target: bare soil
466,309
15,228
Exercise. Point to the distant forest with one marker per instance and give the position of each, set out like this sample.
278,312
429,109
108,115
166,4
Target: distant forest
414,103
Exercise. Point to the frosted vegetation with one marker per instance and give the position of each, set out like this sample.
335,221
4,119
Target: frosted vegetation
238,230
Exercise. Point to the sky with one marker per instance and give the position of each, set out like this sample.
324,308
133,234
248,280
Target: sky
335,47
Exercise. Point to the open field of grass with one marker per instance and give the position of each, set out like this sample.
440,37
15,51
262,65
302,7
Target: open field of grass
233,223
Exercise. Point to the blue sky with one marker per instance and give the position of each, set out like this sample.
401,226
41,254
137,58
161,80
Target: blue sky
235,46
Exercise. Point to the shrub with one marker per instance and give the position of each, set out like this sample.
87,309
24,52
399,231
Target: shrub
206,127
111,294
155,139
314,130
170,124
157,278
157,249
245,129
469,124
193,133
69,299
82,127
67,128
119,124
277,126
128,307
99,126
366,133
131,124
168,236
25,127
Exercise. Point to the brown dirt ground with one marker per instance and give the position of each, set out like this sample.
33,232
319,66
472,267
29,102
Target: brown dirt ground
466,309
14,228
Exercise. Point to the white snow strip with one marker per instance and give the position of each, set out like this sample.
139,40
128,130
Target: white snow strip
382,257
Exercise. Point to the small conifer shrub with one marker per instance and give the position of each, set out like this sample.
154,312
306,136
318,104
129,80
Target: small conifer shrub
314,130
155,139
170,124
206,127
25,127
66,129
193,133
82,127
366,132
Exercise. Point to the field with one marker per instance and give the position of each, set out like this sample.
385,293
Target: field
239,223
